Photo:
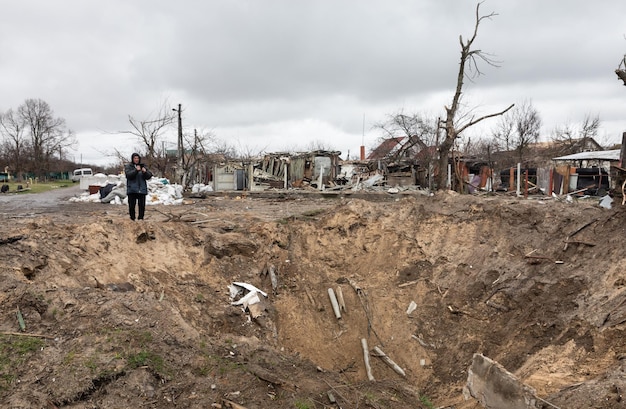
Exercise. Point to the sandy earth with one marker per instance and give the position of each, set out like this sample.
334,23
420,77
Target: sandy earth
130,314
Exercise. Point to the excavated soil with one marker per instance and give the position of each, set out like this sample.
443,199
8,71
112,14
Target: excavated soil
97,311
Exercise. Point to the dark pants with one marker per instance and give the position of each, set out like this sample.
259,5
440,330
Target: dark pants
133,199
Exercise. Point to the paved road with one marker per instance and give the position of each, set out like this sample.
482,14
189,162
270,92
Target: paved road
13,203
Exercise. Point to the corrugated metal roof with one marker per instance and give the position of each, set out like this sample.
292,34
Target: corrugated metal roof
594,155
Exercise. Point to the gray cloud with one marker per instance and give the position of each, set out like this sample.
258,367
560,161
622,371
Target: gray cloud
244,67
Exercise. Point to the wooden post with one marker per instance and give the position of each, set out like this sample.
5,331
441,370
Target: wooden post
180,160
519,180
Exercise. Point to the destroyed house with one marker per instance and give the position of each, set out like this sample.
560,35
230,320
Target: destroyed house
285,170
585,172
405,161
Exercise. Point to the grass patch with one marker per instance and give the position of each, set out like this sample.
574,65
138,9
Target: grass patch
37,187
150,360
136,348
426,402
15,351
211,364
130,338
147,359
69,358
304,404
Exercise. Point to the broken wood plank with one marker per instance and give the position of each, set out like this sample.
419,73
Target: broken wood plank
540,257
267,376
365,304
586,243
232,405
578,230
408,283
423,343
379,353
366,358
581,228
202,221
456,311
309,296
25,334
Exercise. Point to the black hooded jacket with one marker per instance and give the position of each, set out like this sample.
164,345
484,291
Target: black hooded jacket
136,180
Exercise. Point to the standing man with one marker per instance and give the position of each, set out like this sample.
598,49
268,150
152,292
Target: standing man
136,186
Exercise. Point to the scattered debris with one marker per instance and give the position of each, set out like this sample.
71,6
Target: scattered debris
24,334
273,277
340,300
366,359
495,387
145,236
160,191
606,201
335,303
232,405
412,307
20,320
379,353
250,301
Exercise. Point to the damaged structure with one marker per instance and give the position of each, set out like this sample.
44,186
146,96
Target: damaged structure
317,169
553,169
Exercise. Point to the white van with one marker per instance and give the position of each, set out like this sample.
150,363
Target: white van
79,173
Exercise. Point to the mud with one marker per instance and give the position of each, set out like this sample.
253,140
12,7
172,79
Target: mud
128,322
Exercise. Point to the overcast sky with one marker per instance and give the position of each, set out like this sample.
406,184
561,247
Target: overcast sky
273,75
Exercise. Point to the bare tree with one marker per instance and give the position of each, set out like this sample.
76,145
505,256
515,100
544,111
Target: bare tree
318,145
15,142
517,129
149,133
197,151
418,136
248,153
418,131
468,65
527,128
48,134
503,131
568,137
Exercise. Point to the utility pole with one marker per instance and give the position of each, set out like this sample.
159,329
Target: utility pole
181,161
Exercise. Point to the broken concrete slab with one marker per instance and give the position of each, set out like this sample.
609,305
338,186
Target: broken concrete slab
496,388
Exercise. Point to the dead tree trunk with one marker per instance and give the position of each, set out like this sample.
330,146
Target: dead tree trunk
452,130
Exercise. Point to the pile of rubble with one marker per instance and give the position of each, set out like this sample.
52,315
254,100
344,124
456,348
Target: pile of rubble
160,191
